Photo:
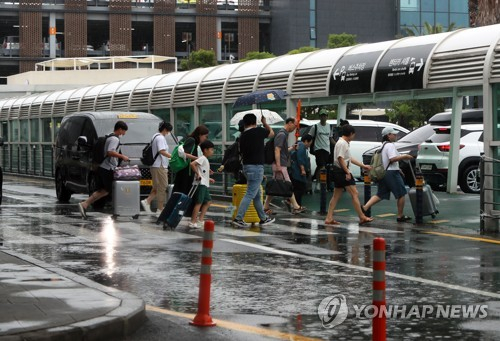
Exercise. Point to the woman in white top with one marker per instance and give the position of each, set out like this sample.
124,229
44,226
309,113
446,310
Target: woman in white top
393,181
342,176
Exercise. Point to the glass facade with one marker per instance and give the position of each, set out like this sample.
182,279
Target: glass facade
415,13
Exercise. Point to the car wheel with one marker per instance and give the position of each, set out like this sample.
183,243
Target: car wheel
469,182
62,193
99,204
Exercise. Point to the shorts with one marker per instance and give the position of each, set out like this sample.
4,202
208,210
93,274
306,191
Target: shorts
280,173
202,195
322,157
339,179
105,179
391,182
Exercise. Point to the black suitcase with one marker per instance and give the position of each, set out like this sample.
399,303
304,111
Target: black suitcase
176,207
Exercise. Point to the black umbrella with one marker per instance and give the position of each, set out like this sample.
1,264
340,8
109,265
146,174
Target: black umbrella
260,96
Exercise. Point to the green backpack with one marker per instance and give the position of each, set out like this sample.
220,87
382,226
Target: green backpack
377,172
177,162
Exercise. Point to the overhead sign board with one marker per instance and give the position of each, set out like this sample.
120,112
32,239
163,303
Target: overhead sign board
402,68
352,74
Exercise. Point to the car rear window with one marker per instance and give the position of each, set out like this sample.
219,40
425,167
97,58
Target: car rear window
443,135
418,135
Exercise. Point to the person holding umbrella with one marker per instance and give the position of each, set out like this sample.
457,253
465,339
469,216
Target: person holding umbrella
252,151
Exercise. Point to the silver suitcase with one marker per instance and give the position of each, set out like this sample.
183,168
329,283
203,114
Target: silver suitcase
429,206
126,198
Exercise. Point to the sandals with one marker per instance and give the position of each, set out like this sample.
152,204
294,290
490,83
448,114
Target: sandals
364,211
268,211
298,210
403,219
366,220
332,222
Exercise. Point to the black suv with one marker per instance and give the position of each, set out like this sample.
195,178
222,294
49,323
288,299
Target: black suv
76,137
409,144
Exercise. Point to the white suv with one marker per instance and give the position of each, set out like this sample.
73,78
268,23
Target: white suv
433,157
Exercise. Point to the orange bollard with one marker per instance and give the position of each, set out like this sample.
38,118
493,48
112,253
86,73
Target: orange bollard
379,321
203,318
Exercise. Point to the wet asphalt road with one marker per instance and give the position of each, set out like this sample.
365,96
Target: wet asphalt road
273,278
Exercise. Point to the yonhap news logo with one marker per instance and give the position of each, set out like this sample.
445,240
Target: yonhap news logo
333,311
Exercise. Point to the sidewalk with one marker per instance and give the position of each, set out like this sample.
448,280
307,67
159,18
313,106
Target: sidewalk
40,301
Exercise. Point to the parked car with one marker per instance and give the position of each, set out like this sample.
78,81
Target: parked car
410,143
368,136
434,154
76,137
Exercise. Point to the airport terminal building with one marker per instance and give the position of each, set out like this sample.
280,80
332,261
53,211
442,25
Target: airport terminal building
37,30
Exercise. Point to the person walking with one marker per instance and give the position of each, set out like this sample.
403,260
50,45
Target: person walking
159,169
281,162
201,198
342,176
252,152
105,170
393,180
322,141
184,178
301,166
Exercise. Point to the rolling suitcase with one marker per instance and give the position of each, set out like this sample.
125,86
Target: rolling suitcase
251,215
175,208
429,204
126,198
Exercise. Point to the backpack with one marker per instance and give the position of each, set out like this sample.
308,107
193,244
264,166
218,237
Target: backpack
98,152
178,160
269,152
147,153
231,160
377,172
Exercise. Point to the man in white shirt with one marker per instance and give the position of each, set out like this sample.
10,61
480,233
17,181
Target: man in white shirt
322,140
159,169
393,181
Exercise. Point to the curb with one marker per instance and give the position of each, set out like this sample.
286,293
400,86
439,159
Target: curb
115,325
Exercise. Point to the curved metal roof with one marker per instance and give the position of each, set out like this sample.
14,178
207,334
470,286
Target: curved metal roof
461,58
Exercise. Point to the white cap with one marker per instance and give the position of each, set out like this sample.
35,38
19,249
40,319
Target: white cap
389,130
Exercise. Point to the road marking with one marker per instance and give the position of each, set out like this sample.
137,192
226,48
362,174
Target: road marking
439,221
237,326
485,240
341,210
386,215
357,267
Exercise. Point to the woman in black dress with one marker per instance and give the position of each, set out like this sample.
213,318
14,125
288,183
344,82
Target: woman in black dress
184,178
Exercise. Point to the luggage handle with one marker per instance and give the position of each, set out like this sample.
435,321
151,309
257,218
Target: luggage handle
193,189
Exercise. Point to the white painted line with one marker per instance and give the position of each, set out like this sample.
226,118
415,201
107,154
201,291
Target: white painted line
357,267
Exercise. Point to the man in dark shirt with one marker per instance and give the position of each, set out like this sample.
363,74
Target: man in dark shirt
252,151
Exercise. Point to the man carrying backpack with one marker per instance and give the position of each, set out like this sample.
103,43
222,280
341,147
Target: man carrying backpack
392,180
252,152
105,171
159,169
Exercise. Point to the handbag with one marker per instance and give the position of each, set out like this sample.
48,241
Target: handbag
279,188
126,173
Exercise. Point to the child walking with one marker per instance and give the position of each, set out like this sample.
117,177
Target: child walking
201,198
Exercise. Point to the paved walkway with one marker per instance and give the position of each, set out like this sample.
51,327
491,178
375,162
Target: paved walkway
40,301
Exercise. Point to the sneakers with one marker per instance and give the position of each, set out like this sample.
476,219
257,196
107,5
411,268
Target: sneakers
239,223
145,206
193,225
267,221
82,210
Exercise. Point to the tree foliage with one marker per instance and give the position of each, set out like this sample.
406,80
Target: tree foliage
257,55
341,40
199,58
303,49
414,113
488,12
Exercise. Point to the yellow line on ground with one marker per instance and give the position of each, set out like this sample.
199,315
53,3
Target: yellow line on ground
439,221
219,205
386,215
237,326
341,210
485,240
